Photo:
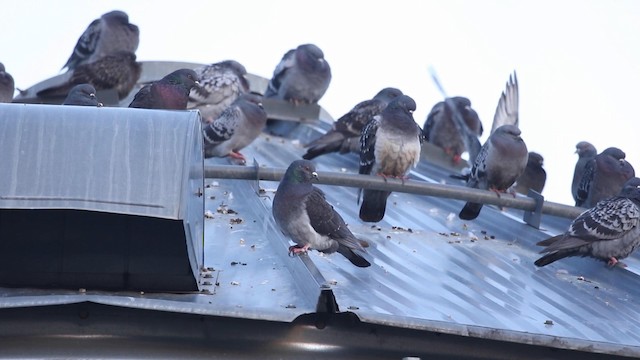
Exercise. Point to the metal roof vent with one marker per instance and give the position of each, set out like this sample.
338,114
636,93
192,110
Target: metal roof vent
100,198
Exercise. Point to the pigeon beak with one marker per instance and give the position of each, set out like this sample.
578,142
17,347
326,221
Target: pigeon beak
197,83
100,104
92,95
314,175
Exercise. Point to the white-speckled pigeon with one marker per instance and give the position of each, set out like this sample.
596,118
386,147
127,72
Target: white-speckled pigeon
390,146
169,93
304,215
534,176
501,161
344,136
7,85
440,128
82,95
603,177
238,126
118,71
110,33
302,77
220,85
586,151
609,231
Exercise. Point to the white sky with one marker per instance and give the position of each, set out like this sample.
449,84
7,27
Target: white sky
578,62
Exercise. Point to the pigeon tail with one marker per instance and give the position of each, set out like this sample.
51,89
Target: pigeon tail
470,211
374,203
549,258
355,259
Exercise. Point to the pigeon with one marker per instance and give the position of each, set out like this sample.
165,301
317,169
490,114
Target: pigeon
110,33
82,95
344,136
220,84
7,85
440,128
586,151
534,176
304,215
302,77
507,109
499,164
237,126
169,93
390,145
609,231
119,71
603,177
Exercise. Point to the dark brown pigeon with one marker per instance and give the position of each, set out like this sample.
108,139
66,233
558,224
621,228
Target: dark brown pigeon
609,231
344,136
111,33
119,71
169,93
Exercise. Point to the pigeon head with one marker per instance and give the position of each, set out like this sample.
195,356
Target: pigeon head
510,130
1,67
186,77
311,57
402,102
116,16
536,159
615,153
585,148
631,189
85,89
461,101
387,94
301,171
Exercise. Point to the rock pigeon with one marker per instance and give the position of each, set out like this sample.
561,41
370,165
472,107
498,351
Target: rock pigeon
344,136
390,145
301,77
507,109
110,33
603,177
82,95
440,128
534,176
501,161
7,86
586,151
304,215
237,126
118,71
220,84
169,93
609,231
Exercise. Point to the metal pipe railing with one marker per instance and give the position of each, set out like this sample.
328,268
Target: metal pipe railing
407,186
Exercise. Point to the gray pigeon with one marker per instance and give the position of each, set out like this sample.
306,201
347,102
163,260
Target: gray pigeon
220,85
169,93
302,77
501,161
304,215
534,176
507,109
237,126
440,128
118,71
110,33
344,136
586,151
603,177
7,86
390,146
82,95
609,231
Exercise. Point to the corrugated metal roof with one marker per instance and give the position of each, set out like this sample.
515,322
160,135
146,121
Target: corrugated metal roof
430,271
